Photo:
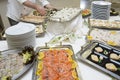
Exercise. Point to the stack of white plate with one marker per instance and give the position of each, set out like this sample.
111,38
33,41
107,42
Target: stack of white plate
101,10
21,35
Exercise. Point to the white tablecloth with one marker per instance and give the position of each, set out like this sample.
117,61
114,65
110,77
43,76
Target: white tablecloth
87,72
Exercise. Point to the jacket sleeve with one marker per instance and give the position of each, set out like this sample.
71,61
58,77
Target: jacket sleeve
21,1
44,2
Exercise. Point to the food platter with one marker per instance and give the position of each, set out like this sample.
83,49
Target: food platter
65,15
86,13
33,19
102,57
110,37
56,65
105,24
11,64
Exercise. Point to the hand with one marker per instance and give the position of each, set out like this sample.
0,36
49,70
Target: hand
48,6
41,10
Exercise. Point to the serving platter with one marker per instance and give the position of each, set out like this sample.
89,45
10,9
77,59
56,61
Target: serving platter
11,64
58,62
105,24
65,15
33,19
111,37
102,57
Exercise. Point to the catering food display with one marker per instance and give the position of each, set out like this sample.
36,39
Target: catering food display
15,62
55,63
103,57
86,13
65,14
105,24
64,21
110,37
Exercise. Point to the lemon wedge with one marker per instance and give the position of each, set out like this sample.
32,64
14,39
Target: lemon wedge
74,64
70,59
113,32
40,66
70,52
89,37
111,43
74,74
41,55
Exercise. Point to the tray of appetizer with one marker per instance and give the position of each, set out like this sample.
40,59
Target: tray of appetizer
110,37
105,24
15,62
56,63
86,13
102,57
65,14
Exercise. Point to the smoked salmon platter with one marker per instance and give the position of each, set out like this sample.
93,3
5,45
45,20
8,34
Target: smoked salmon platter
103,57
56,63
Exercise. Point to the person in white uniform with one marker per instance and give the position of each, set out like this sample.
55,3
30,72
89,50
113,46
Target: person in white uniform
18,8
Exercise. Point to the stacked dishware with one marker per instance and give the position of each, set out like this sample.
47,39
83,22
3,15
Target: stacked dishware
21,35
101,10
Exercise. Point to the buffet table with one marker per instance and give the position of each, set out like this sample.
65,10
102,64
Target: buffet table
87,72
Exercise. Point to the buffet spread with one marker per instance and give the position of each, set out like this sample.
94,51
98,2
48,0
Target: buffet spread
61,62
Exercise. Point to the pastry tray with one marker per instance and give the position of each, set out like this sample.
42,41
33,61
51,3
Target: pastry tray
103,58
41,49
22,70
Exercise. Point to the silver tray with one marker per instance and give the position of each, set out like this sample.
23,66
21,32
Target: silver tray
39,49
88,50
21,71
33,22
106,25
108,36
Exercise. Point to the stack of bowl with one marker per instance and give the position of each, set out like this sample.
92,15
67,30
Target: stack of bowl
21,35
101,10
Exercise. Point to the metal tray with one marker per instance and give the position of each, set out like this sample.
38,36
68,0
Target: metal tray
107,36
24,69
40,49
85,56
36,21
105,26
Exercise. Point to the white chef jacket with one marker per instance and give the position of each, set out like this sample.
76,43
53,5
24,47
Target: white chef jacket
16,8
